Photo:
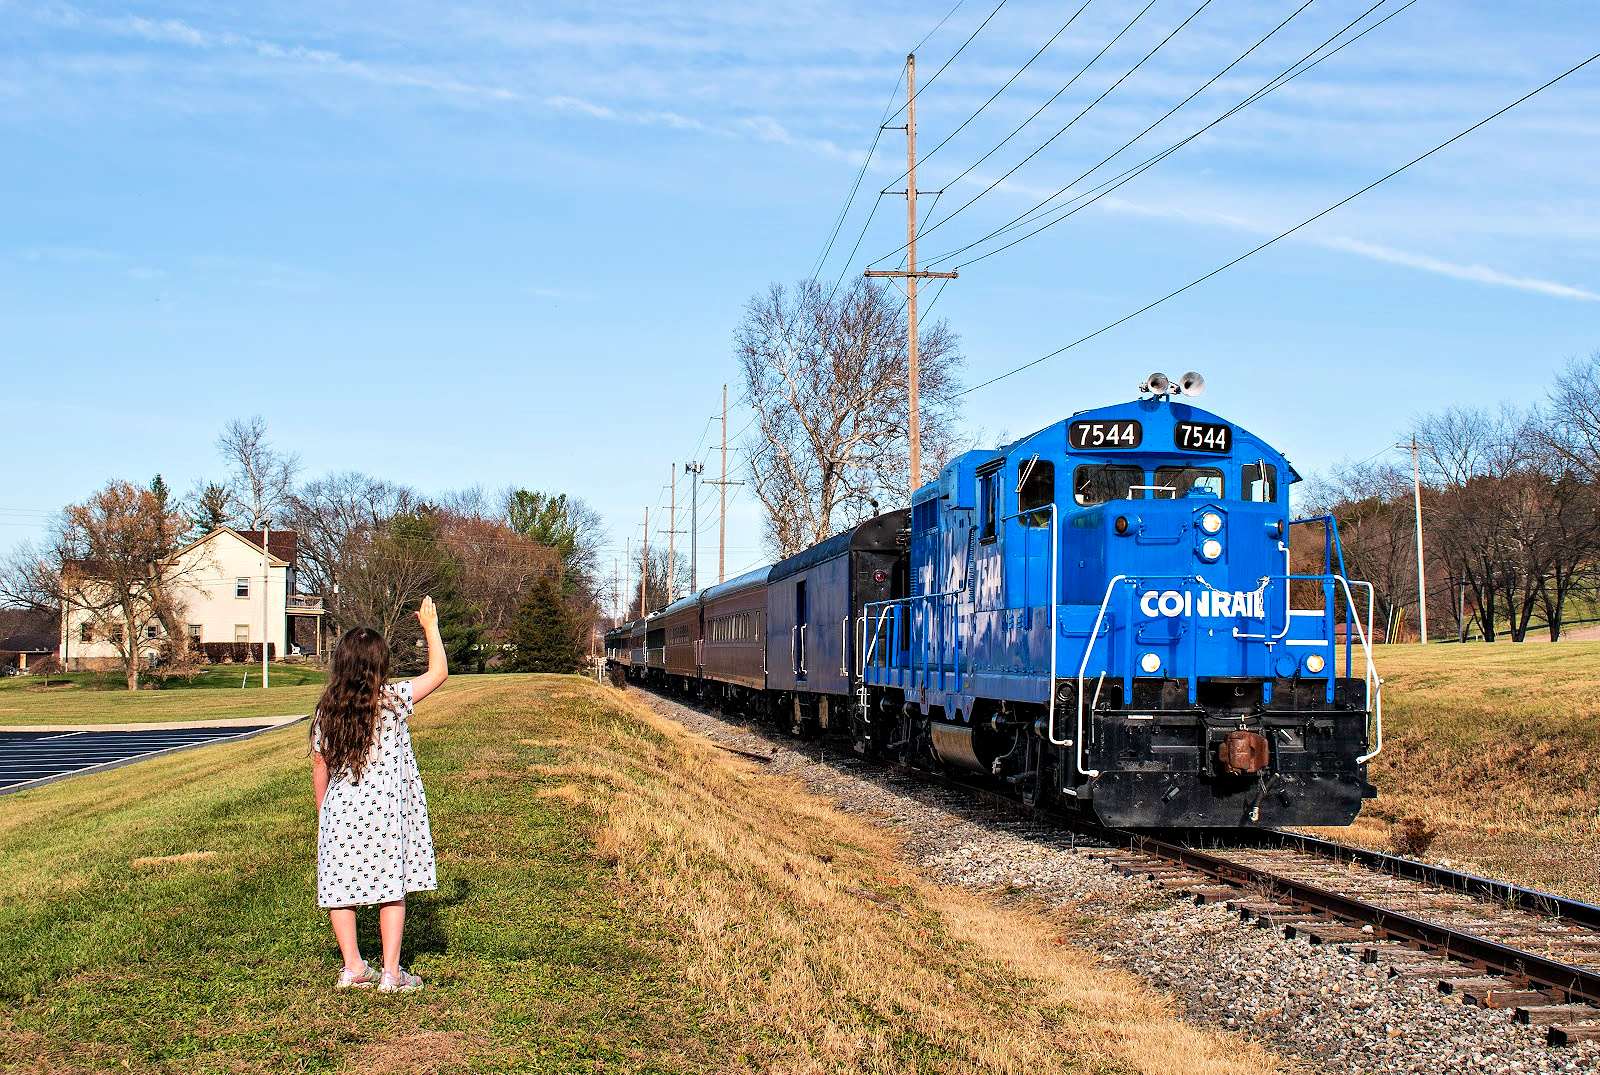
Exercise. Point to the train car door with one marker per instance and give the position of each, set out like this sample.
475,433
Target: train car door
800,616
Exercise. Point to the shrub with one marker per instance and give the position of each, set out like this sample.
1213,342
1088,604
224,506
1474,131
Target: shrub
235,652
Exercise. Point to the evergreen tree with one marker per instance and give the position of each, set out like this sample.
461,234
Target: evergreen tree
544,632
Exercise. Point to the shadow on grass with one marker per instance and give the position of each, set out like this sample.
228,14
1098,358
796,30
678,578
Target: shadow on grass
425,928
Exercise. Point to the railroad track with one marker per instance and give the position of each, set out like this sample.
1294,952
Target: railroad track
1491,944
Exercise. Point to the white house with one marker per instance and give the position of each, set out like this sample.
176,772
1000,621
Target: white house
231,591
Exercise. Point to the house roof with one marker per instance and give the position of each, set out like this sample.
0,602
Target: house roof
282,545
27,644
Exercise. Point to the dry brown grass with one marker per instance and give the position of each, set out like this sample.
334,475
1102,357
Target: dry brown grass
1497,748
804,925
182,859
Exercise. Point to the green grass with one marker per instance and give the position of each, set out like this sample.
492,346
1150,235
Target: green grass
224,963
103,698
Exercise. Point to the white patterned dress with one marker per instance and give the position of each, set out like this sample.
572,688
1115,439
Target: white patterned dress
373,843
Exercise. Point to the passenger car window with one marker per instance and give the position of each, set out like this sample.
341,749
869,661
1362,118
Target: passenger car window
1188,481
1037,493
1098,483
1260,481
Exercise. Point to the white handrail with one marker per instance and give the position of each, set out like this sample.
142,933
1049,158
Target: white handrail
1374,684
1083,666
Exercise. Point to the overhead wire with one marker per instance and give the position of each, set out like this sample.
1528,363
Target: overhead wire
1018,74
1288,232
934,77
1036,113
1095,193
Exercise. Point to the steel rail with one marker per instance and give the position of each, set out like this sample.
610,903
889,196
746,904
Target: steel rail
1577,983
1526,899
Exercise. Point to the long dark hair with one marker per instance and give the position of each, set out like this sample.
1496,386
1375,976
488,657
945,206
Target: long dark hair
347,714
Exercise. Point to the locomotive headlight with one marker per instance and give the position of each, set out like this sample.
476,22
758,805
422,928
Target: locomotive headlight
1211,550
1211,522
1315,663
1150,664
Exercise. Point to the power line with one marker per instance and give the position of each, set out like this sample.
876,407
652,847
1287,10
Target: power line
1285,234
1002,89
1014,222
936,28
952,58
1019,128
1095,193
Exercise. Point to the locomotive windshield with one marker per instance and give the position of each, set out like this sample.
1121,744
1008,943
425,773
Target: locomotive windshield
1179,482
1096,484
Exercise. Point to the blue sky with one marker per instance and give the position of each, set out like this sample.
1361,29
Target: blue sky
496,244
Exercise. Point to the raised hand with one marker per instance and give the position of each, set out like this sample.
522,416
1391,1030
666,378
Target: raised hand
428,616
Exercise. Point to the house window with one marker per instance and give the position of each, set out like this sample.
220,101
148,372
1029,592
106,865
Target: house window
241,587
85,632
241,632
194,634
116,635
150,631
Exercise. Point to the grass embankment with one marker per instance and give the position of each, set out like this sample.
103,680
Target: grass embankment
615,895
216,692
1498,749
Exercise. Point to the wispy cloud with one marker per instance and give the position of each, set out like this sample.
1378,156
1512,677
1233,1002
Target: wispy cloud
1478,274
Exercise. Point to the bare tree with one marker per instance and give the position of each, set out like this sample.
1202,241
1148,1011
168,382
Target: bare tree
826,374
337,517
497,566
116,576
387,576
1573,430
262,478
650,582
1377,534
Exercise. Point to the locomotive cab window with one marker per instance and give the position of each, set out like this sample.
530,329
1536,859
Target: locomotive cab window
1037,492
1099,483
1260,482
988,504
1188,481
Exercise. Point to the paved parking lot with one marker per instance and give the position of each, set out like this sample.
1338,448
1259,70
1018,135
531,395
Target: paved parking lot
31,758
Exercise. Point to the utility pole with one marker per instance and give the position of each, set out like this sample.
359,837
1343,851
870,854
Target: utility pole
722,523
910,273
644,568
627,558
1422,575
672,530
266,600
616,587
722,492
694,527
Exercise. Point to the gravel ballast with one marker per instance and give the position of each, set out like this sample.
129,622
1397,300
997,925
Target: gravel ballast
1327,1010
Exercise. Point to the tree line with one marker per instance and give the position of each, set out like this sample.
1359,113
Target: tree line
1510,516
513,573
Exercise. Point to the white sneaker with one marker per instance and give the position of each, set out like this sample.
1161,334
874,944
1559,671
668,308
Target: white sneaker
403,982
364,980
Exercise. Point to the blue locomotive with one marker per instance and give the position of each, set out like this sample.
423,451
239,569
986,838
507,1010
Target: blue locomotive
1100,614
